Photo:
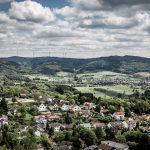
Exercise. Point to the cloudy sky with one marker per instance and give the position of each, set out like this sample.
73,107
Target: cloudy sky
74,28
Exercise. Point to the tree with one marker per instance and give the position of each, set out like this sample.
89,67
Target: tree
77,144
88,136
27,143
120,137
68,136
127,112
47,143
14,99
47,126
144,143
59,136
98,108
112,109
147,93
68,119
33,111
4,105
4,148
51,131
100,133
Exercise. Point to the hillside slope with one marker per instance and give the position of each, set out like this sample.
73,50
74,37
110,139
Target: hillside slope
51,65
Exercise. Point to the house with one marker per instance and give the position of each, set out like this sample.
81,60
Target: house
23,130
3,120
113,145
92,147
65,145
88,105
42,108
145,118
86,125
55,107
116,125
99,124
75,108
56,100
130,123
68,126
50,100
54,117
65,107
23,95
41,119
38,133
145,129
119,116
86,114
56,126
104,111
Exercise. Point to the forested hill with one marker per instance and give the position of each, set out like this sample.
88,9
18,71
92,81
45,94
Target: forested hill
51,65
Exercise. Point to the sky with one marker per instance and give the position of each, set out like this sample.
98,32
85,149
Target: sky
74,28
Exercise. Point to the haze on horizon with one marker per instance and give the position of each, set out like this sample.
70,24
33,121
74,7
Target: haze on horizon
74,28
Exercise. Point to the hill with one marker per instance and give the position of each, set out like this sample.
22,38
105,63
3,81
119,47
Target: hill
51,65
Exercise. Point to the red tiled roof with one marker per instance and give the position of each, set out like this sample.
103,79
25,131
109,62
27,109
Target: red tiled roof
119,113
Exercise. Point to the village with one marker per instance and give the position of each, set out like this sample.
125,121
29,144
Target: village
59,115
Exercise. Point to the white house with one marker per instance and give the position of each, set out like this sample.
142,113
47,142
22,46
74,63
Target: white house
88,105
119,116
130,123
50,100
86,125
38,133
75,108
56,126
3,120
42,108
54,107
65,107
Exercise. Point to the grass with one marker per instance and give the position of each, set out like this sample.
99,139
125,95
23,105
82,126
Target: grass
91,90
110,90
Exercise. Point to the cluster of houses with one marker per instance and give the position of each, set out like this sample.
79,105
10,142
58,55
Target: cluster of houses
64,106
54,113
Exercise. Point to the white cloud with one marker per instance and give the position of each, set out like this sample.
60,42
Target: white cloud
66,11
87,5
30,11
84,29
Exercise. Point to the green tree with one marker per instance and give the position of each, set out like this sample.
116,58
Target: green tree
68,119
51,131
88,136
47,143
3,105
77,144
127,112
120,137
144,143
100,133
98,108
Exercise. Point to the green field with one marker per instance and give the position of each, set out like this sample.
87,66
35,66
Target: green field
108,91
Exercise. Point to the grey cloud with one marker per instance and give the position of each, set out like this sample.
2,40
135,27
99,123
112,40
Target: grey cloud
110,25
5,1
124,2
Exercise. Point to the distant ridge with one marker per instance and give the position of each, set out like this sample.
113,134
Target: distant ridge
51,65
